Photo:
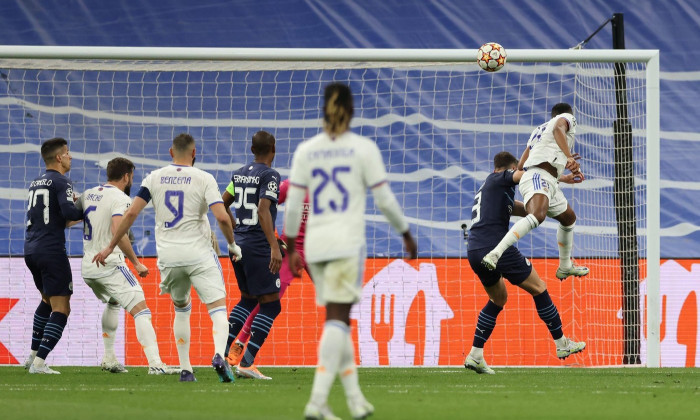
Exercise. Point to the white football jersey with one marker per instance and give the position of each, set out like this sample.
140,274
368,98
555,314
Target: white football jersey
99,204
543,147
181,197
336,174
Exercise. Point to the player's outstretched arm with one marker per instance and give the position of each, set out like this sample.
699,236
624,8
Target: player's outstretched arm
125,245
387,204
223,218
523,158
519,209
292,223
127,221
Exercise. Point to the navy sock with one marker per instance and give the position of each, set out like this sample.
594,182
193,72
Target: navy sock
260,329
52,333
236,320
549,314
485,324
41,317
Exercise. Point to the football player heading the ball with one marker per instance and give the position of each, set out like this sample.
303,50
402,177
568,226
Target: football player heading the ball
493,206
253,191
547,155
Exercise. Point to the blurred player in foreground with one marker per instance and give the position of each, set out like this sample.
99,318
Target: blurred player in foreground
181,195
547,155
493,206
286,277
335,168
103,208
253,191
51,207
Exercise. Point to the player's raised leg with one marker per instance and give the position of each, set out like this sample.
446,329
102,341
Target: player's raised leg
240,315
270,307
549,314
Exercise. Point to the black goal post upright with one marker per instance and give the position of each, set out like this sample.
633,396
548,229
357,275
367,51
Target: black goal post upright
623,191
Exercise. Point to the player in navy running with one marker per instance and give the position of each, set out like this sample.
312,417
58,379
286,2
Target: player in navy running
494,203
253,191
51,207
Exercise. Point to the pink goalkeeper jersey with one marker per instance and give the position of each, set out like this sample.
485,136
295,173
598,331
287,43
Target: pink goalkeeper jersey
284,186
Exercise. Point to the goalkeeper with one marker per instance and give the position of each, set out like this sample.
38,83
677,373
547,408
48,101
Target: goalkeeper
547,154
493,206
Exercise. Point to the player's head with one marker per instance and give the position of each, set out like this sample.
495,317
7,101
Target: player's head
121,170
56,155
504,161
561,108
183,148
263,145
338,109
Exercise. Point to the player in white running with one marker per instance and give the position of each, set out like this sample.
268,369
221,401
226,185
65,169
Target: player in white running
335,168
181,195
114,284
547,155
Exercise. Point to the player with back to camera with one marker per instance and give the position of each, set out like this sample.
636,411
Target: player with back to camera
286,277
181,195
547,155
49,210
493,205
253,191
103,207
335,168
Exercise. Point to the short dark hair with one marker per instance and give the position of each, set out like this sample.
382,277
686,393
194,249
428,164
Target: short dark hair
50,148
338,108
263,143
504,160
118,167
561,108
183,142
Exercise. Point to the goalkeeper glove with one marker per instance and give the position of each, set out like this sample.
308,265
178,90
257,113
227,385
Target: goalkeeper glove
234,252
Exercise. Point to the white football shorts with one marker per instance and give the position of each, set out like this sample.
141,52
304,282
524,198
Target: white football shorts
338,281
207,278
120,286
538,181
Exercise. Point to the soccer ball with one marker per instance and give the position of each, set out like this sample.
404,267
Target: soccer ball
491,56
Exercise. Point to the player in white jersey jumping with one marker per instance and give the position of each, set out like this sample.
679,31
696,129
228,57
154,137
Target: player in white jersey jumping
335,168
114,284
181,195
547,155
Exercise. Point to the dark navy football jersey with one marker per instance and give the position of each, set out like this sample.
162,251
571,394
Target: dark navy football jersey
491,211
252,183
50,206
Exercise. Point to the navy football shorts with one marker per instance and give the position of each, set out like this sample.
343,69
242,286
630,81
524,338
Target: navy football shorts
52,273
253,271
512,265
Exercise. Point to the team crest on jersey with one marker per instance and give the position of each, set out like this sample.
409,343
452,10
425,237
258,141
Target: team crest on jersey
278,283
69,192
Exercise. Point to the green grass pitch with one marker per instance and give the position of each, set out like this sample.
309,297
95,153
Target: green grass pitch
418,393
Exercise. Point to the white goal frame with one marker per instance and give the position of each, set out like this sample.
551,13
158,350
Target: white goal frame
366,57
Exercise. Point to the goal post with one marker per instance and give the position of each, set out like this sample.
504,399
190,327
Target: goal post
438,120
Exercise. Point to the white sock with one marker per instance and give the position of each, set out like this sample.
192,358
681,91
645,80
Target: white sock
147,337
521,228
219,319
561,342
110,323
348,370
477,353
565,240
181,329
330,353
39,362
33,353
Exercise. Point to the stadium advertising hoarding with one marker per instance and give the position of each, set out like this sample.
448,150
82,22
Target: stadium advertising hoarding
417,313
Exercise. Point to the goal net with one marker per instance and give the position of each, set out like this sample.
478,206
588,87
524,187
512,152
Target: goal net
438,120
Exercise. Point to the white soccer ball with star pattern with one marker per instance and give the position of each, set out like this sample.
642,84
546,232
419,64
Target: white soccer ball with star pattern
491,56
